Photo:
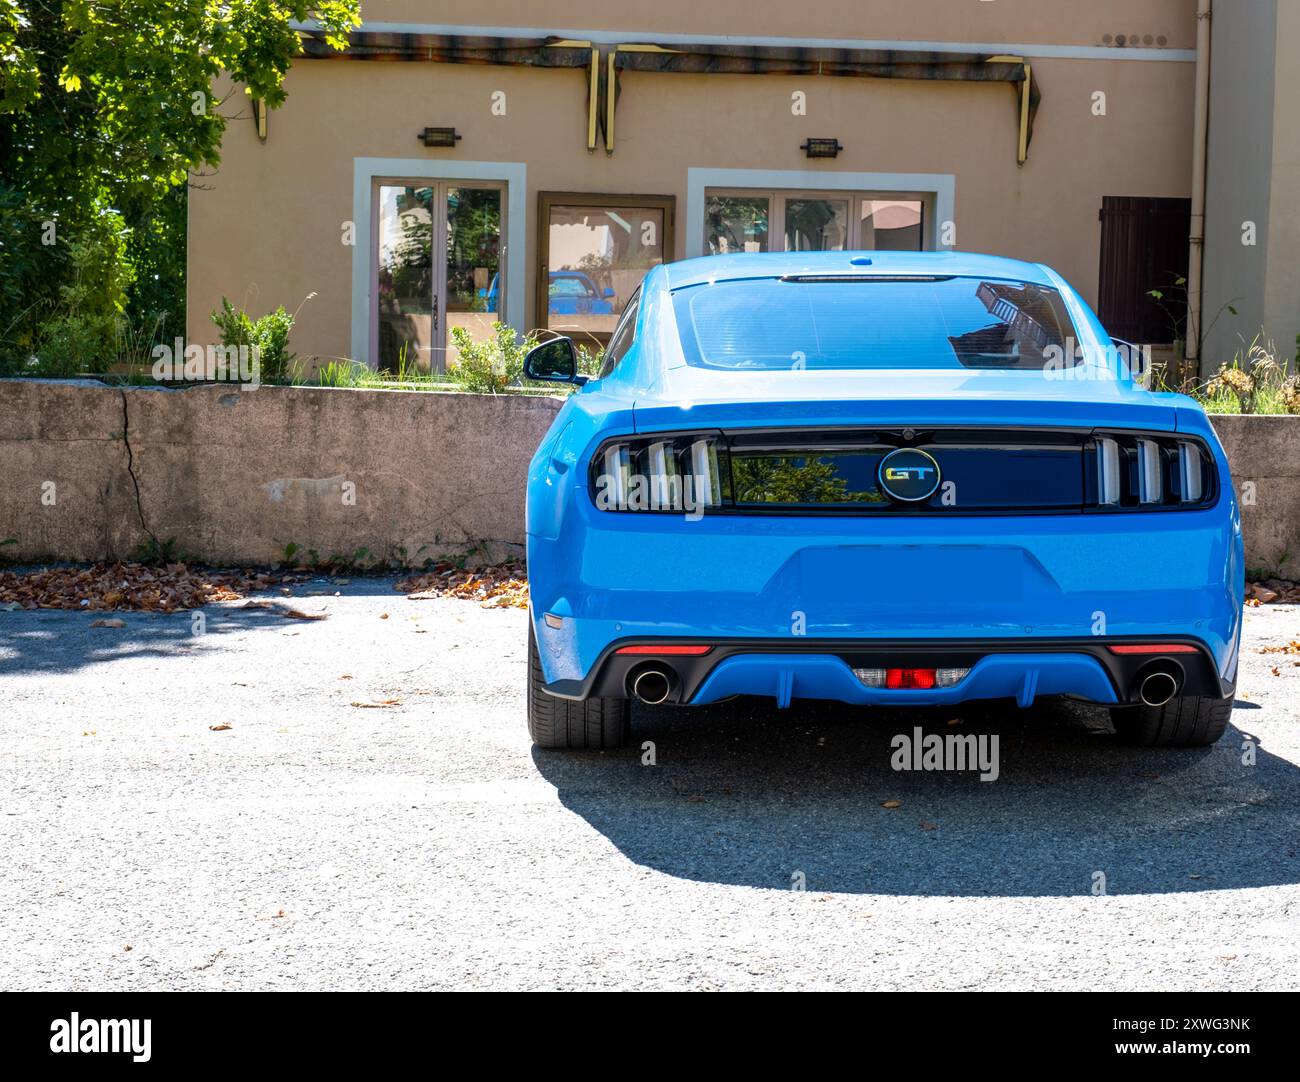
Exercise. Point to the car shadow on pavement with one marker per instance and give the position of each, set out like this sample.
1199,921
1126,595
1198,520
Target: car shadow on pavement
744,794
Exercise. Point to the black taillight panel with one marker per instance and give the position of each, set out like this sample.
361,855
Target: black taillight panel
839,472
1148,471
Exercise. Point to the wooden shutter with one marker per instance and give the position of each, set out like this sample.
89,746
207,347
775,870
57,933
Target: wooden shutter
1143,247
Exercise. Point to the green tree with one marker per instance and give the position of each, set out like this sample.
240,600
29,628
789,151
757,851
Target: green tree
106,108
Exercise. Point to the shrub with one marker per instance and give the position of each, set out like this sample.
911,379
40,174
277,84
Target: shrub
590,360
490,366
268,336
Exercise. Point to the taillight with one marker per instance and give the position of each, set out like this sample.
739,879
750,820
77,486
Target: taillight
1190,462
666,649
1150,475
911,678
1148,471
1107,472
678,473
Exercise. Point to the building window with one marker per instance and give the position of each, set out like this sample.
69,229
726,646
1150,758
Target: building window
736,223
438,249
595,250
747,221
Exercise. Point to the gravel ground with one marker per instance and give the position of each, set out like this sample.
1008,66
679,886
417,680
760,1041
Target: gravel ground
319,844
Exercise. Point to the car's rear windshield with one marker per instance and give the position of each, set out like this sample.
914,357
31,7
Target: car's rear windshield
884,322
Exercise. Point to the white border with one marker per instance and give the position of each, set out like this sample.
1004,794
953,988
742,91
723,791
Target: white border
616,37
365,171
943,186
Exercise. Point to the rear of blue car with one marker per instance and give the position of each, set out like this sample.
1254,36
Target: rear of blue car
900,480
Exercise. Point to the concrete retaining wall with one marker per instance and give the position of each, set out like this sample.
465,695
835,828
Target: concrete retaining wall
236,475
1265,451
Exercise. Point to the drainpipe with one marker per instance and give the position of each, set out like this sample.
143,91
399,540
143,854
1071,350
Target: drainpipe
1200,127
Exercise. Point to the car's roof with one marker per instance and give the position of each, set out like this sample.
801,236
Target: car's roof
713,268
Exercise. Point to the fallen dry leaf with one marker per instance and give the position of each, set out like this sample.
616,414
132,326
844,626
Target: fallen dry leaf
499,586
892,804
108,623
927,825
132,586
379,703
287,611
1292,647
221,728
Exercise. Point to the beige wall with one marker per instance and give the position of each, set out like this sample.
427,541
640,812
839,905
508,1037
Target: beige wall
1282,289
1072,22
1253,176
267,224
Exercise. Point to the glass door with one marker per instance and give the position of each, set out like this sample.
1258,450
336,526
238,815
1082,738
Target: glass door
438,263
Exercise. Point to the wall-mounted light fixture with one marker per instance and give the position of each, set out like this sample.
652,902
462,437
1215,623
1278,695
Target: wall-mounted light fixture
259,117
821,148
439,137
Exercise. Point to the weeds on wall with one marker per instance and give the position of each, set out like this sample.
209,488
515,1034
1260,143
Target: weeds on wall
1256,381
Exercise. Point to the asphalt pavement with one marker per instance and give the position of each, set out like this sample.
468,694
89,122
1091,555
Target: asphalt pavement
353,803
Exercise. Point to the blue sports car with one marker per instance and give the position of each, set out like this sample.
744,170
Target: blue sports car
880,478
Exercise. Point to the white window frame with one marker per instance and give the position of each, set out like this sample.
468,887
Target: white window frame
936,191
369,173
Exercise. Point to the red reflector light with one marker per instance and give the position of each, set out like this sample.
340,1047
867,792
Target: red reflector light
909,678
1153,648
664,650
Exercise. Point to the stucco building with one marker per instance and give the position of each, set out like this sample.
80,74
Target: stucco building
531,164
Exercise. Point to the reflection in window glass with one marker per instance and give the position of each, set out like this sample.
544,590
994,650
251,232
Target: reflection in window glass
892,225
405,285
736,224
621,340
905,323
816,225
597,258
473,285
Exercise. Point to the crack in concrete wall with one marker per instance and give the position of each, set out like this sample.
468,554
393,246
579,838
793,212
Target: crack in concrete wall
130,466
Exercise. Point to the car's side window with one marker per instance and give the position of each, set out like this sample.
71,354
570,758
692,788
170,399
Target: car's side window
624,334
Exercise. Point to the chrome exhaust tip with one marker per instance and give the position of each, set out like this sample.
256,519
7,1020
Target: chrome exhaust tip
1157,688
652,686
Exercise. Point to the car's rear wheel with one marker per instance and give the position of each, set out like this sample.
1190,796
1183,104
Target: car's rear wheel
1187,722
564,723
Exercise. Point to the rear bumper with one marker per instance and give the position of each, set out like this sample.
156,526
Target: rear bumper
1085,669
1024,584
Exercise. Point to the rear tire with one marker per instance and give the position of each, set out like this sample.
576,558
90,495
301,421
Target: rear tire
1189,722
566,723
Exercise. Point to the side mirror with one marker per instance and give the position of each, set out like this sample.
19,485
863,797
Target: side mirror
608,292
555,360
